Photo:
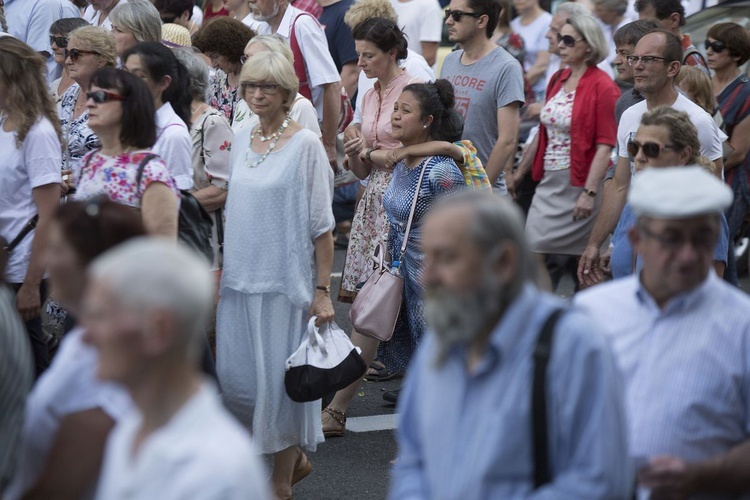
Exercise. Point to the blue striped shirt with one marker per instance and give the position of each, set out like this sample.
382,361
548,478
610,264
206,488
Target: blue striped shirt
686,367
468,435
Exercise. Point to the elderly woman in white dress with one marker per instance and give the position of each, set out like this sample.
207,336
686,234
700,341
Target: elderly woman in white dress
278,252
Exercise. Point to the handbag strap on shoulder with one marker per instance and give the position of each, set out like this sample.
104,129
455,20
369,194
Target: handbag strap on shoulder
413,208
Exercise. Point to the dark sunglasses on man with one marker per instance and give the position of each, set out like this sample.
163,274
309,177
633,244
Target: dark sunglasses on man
456,15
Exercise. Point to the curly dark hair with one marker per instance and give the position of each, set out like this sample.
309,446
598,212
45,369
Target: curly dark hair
225,36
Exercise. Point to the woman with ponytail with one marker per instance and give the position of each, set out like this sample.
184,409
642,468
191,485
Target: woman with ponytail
169,83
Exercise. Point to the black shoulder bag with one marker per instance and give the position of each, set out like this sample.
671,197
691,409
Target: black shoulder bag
542,354
194,222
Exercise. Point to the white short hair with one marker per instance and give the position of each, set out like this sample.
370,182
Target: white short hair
572,9
146,274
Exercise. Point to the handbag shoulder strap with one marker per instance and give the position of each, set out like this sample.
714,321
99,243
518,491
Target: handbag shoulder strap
411,212
542,353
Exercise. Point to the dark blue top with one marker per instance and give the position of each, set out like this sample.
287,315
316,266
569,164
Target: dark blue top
338,34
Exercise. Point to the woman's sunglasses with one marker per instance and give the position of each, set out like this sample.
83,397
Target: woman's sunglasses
456,15
75,54
716,46
568,40
60,41
102,96
650,149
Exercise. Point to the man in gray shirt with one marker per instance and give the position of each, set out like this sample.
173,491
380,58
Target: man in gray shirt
488,83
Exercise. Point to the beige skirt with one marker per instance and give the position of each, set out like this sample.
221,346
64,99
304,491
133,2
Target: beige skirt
550,228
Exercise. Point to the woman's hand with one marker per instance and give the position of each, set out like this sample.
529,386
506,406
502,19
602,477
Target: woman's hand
67,183
394,156
584,207
322,308
354,147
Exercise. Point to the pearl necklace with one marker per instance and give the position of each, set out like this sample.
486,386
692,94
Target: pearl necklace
274,139
275,136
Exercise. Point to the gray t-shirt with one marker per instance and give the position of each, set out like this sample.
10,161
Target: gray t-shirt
481,89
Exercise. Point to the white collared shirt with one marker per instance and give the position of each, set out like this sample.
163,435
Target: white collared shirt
93,16
174,145
201,453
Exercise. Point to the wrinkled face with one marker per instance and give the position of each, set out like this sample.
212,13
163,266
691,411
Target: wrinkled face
116,332
719,60
81,61
465,29
373,61
653,76
557,23
677,254
264,98
576,54
264,10
659,135
406,120
104,115
220,61
623,70
124,40
66,273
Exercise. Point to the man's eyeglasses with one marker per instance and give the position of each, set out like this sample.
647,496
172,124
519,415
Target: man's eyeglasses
75,54
650,149
646,60
60,41
265,88
567,40
674,241
716,46
456,15
102,96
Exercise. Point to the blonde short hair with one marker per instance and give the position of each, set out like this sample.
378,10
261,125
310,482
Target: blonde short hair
98,40
274,43
272,67
699,87
364,9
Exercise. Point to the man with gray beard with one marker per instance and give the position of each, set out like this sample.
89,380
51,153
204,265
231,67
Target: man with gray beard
466,421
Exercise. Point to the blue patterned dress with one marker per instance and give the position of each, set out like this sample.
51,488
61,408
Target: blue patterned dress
441,176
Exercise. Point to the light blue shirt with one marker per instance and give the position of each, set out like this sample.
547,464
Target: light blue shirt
468,435
686,367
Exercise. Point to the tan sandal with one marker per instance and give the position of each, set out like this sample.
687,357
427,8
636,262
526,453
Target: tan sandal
302,468
339,417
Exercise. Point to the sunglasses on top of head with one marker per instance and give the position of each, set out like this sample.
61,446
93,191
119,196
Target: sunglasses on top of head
716,46
75,54
60,41
456,15
650,149
568,40
102,96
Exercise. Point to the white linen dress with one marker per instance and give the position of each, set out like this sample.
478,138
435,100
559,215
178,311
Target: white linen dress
274,213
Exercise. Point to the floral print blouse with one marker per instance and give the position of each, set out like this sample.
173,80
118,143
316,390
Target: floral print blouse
221,96
78,138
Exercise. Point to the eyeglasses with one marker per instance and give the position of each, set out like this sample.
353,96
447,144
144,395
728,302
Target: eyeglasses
568,40
265,88
716,46
60,41
674,241
650,149
646,60
75,54
102,96
456,15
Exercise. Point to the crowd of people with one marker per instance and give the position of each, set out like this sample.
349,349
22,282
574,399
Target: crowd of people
591,138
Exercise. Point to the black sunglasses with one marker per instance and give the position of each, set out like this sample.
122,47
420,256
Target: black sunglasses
716,46
75,54
102,96
568,40
60,41
650,149
456,15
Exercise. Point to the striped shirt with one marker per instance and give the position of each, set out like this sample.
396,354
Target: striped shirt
686,366
16,377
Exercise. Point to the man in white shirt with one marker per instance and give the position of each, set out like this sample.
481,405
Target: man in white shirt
146,313
681,338
656,62
323,79
422,22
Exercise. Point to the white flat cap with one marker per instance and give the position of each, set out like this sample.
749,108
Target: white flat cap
678,193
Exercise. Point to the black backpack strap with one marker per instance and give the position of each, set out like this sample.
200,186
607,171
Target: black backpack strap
27,228
542,354
141,167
